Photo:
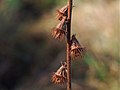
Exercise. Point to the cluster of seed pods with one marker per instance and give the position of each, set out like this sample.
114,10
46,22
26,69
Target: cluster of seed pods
76,49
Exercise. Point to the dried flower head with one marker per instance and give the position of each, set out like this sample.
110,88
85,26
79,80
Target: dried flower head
60,31
60,76
76,49
62,12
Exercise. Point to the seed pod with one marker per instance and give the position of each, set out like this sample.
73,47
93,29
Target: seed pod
76,49
60,31
62,12
60,77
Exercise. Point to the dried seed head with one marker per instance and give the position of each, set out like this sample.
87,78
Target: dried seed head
76,49
60,31
60,76
62,12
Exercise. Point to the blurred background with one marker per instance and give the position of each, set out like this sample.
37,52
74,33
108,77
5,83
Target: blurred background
29,54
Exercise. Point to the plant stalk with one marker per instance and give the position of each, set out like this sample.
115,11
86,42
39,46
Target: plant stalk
68,57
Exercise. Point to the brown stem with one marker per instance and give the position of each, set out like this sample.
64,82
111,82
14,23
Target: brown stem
68,58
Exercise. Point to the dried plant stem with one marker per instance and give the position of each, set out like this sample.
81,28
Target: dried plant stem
68,57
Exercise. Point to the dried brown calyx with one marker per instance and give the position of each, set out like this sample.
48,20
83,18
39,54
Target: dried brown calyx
60,77
59,31
76,49
62,12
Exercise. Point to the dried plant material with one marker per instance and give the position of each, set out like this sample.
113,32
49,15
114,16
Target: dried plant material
60,77
62,12
76,49
60,31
